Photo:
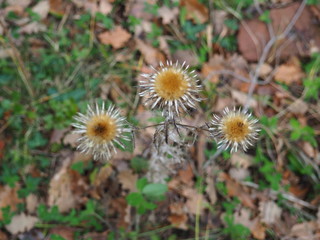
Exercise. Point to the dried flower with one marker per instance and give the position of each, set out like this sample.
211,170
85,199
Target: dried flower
171,88
234,129
101,129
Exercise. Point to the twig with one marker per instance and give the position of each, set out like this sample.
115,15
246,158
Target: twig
266,51
214,157
287,196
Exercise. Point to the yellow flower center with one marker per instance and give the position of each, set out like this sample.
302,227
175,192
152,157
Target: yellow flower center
236,128
101,129
171,84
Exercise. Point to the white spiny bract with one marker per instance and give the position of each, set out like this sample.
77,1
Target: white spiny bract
101,129
171,88
233,129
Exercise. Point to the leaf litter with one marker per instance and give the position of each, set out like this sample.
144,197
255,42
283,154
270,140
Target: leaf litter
194,196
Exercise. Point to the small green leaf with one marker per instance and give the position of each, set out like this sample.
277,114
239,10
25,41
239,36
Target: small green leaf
265,17
138,164
141,183
155,191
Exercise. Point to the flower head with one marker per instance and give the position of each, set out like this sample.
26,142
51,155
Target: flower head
101,129
234,129
171,88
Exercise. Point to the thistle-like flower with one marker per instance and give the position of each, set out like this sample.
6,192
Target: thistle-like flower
101,129
171,88
234,129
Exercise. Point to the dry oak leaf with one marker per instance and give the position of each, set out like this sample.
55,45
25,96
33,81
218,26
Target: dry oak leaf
21,223
195,10
306,230
42,9
241,98
60,190
105,7
168,14
58,7
236,190
256,228
178,217
270,213
187,56
196,202
117,37
32,202
128,180
23,4
252,37
152,55
9,197
66,232
290,72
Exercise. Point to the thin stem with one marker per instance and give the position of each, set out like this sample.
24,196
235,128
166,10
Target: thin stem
266,51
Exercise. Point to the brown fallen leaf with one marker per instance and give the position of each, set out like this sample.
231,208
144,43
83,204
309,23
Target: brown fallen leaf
121,209
96,235
2,146
3,236
306,230
195,10
117,37
58,7
256,228
241,98
195,201
20,3
211,188
270,213
305,27
9,197
152,55
241,160
71,139
252,37
308,149
290,72
168,14
179,221
187,56
32,203
105,7
128,180
298,107
239,174
21,223
33,27
66,188
236,190
186,175
63,231
42,8
57,135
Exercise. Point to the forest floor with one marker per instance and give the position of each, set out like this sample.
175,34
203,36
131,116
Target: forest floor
56,57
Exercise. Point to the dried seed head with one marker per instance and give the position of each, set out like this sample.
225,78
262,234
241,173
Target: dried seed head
101,129
234,129
172,88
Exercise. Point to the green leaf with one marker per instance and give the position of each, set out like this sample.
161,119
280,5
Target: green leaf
134,199
37,140
232,24
138,164
78,166
265,17
141,183
56,237
155,191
